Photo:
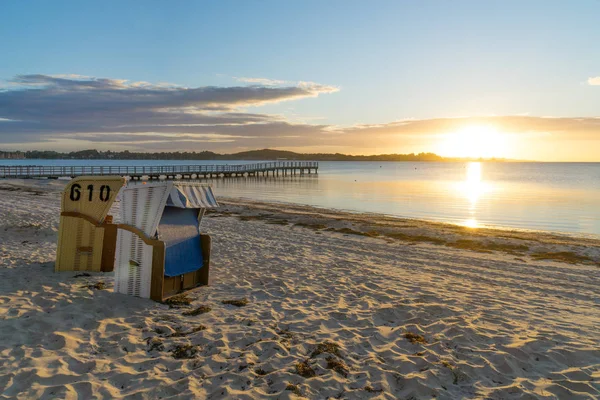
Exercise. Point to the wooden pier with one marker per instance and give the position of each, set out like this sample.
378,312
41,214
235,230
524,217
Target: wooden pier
275,168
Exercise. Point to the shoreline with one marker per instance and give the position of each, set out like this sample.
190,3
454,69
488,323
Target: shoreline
539,244
488,228
567,224
26,185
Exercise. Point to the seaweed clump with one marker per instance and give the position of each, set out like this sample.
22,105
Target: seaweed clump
337,365
197,311
237,302
294,389
178,300
305,370
562,256
97,286
349,231
154,343
415,338
315,227
183,351
326,347
488,247
180,333
415,238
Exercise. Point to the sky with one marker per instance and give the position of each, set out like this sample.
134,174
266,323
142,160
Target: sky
513,79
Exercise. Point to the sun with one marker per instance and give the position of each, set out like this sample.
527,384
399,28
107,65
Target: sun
474,142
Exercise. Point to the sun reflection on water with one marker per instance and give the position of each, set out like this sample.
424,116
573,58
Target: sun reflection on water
472,188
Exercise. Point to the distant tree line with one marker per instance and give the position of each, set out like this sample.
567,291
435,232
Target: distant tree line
266,154
121,155
12,154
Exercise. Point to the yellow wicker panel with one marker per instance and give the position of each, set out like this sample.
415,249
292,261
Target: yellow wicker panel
80,245
79,241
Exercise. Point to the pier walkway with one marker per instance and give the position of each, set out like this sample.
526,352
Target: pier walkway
274,168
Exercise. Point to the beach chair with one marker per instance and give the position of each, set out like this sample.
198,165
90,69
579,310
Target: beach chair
160,250
84,243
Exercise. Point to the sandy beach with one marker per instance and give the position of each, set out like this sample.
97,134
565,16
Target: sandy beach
338,305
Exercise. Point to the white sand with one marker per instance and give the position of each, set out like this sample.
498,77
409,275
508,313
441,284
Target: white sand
497,325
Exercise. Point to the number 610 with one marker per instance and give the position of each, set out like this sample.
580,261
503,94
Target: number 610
76,192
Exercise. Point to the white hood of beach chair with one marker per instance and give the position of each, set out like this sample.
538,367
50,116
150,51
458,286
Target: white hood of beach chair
184,195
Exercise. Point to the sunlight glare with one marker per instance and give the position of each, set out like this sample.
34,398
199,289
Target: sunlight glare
474,141
471,223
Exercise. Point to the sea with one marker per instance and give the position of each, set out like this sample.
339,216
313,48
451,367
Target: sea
556,197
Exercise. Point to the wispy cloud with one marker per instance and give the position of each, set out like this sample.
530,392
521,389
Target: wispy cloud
594,81
46,104
261,81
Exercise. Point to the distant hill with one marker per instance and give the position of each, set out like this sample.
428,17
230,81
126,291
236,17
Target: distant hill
268,154
265,154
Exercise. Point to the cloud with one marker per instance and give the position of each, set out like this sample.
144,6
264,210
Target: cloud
79,104
261,81
594,81
51,111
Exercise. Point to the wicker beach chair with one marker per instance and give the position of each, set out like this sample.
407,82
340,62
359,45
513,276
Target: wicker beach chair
160,251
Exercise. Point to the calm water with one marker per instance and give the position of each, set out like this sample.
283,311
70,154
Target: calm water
563,197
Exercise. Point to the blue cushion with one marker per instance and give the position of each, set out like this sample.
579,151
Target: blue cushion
178,228
183,257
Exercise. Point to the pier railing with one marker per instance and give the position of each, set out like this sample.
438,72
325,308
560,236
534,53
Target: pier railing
37,171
